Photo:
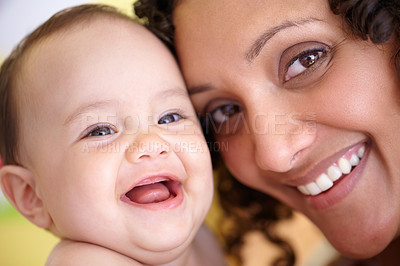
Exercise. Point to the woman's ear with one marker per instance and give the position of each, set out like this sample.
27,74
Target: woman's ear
19,187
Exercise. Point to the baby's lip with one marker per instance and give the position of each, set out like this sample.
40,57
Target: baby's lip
153,179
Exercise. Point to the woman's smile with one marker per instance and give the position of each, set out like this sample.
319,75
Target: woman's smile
339,179
335,172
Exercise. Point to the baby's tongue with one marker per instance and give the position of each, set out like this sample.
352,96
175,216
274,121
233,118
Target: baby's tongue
151,193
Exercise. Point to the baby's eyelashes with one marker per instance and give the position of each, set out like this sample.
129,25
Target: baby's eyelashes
170,118
105,129
100,130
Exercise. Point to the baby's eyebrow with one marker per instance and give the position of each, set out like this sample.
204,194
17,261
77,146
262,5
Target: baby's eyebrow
87,107
172,92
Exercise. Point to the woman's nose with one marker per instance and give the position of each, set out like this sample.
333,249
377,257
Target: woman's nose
147,147
279,139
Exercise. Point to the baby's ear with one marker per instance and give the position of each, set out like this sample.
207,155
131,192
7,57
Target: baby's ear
19,187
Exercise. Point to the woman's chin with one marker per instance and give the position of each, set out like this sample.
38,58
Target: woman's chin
360,247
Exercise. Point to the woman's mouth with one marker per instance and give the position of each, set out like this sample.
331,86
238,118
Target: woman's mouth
334,173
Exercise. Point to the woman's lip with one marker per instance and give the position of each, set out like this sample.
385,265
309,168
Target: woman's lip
343,187
321,167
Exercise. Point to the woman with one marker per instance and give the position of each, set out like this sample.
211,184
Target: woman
307,103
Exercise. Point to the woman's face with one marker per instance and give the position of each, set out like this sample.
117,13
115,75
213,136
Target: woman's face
299,108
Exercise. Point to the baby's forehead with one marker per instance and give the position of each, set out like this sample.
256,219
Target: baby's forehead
20,71
39,63
78,53
41,48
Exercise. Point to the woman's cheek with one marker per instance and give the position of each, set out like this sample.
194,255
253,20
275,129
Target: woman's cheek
237,154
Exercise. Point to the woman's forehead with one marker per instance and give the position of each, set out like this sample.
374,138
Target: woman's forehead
212,29
222,20
276,10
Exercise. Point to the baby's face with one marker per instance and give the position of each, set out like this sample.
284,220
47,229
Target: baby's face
113,141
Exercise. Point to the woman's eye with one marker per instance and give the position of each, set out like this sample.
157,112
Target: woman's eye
224,120
302,62
169,118
101,131
223,113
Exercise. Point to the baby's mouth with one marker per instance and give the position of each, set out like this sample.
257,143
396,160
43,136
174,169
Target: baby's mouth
154,192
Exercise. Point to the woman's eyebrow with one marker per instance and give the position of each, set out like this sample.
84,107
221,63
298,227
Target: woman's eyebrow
260,42
199,89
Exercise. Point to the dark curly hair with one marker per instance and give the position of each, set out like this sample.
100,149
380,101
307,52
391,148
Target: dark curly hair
376,20
157,16
246,209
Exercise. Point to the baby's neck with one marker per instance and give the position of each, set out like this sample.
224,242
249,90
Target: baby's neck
204,250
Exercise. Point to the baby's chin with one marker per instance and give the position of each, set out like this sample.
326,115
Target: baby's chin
158,245
161,252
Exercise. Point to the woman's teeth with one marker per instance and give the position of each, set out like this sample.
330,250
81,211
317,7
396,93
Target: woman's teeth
332,174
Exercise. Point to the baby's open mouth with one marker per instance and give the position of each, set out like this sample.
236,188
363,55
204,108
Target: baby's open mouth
153,192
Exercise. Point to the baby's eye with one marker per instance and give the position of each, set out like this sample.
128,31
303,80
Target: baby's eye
101,131
223,113
302,62
170,118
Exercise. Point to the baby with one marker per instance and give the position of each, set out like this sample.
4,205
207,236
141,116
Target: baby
101,145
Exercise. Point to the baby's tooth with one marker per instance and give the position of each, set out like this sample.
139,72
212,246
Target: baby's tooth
303,190
344,165
313,188
361,151
354,160
334,173
323,182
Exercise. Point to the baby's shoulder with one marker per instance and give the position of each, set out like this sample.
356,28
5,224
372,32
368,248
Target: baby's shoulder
207,249
70,253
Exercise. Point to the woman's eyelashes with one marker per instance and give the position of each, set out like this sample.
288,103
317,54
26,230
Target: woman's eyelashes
302,59
224,120
301,63
222,113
